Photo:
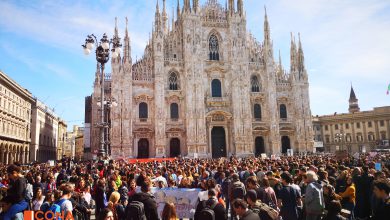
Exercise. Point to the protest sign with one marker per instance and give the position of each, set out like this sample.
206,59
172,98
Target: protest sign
341,154
184,199
378,166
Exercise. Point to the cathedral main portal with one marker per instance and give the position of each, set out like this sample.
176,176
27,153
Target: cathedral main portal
143,148
218,142
174,147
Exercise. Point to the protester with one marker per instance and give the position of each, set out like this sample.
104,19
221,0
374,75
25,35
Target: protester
334,210
16,191
105,214
38,199
148,201
241,208
169,212
314,197
289,199
283,181
212,204
348,197
382,192
363,184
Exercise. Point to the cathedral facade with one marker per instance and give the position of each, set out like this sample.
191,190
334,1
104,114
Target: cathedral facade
205,87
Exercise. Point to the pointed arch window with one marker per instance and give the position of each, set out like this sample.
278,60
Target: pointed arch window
283,111
173,81
213,48
257,112
216,90
143,111
255,85
174,111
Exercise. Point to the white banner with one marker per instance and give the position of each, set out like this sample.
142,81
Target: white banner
185,200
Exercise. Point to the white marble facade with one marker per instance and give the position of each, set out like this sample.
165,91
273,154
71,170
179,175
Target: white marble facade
209,87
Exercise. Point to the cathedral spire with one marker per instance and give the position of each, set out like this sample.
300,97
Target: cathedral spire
157,8
116,39
178,9
116,28
231,7
353,102
157,18
187,6
301,58
280,60
173,18
267,33
267,39
195,4
127,49
165,18
240,7
293,54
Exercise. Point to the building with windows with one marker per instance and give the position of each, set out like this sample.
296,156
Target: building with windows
79,146
15,124
355,131
44,132
204,87
62,126
87,128
70,145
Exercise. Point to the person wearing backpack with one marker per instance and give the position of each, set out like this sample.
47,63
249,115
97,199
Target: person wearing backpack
264,211
314,197
211,209
63,206
142,205
236,191
241,208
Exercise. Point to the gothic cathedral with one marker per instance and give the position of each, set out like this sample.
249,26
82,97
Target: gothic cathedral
205,87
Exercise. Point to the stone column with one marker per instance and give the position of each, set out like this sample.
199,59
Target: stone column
26,157
6,157
17,155
22,156
10,157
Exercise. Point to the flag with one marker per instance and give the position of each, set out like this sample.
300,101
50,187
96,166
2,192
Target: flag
388,89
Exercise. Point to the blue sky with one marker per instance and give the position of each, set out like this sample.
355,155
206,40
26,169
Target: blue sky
344,41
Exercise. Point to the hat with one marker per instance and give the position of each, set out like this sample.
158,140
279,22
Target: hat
252,195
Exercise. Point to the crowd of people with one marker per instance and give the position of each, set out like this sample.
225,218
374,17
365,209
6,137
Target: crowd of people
288,187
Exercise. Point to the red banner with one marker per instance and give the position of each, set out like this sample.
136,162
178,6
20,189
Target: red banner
148,160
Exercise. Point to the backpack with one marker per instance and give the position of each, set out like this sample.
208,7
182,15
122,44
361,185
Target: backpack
56,208
135,211
207,212
265,212
225,186
238,190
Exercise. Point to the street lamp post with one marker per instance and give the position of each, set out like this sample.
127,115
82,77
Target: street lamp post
102,57
339,137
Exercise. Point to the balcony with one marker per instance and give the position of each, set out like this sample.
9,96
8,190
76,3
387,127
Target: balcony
217,102
143,119
285,124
